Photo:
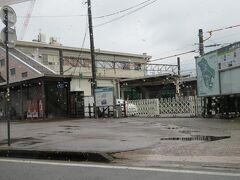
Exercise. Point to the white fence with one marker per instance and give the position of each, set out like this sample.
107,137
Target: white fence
143,107
182,106
165,107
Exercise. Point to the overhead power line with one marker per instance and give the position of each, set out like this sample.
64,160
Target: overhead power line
129,13
80,54
83,15
221,29
121,11
55,16
175,55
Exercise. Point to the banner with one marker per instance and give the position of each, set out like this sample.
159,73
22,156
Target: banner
208,75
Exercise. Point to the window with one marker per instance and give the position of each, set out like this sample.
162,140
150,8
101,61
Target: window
13,71
2,62
53,60
24,74
235,54
45,59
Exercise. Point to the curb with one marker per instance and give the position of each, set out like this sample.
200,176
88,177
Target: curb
57,155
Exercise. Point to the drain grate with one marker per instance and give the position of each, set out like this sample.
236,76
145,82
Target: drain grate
196,138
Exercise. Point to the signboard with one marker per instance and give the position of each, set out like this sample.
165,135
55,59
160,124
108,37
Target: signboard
229,57
104,96
9,18
12,17
218,71
208,75
12,37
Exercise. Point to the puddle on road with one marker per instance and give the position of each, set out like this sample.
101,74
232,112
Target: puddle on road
69,126
188,131
196,138
22,141
64,132
172,127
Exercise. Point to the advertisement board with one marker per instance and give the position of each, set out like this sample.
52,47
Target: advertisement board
218,71
208,75
229,57
104,96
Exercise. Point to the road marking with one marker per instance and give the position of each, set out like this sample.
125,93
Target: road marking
118,167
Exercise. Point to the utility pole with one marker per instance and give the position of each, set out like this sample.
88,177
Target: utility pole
201,45
207,100
178,78
61,61
7,76
179,66
94,82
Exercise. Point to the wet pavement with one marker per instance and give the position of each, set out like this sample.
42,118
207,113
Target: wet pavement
136,141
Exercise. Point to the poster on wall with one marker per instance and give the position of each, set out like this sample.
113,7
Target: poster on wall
104,96
208,75
229,56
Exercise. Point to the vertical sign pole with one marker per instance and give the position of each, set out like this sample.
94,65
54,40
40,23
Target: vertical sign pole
7,73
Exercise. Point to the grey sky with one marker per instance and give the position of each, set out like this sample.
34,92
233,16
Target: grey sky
164,28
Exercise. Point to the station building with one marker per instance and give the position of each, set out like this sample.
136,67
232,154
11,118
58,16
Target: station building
51,80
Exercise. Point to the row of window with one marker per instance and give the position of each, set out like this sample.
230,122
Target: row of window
13,73
12,70
76,62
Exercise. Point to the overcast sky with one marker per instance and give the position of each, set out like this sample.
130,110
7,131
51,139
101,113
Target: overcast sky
166,27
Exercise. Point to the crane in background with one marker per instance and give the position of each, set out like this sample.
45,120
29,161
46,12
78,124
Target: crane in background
27,19
10,2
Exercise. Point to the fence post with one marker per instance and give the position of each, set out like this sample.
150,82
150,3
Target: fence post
196,105
89,110
158,109
108,111
125,109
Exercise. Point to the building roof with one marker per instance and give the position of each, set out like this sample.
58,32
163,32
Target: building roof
232,45
97,51
153,80
148,77
31,62
36,68
189,79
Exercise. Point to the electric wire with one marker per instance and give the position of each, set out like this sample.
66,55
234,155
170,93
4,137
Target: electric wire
80,54
210,32
121,11
127,14
94,17
175,55
224,28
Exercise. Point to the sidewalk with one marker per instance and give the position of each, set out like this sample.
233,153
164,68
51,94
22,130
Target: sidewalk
135,141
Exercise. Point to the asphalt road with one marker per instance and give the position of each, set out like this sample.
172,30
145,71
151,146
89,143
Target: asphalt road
15,169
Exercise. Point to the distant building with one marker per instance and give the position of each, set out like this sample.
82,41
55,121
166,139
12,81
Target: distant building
50,80
76,62
165,85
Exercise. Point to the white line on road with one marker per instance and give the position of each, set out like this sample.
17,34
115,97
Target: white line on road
118,167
